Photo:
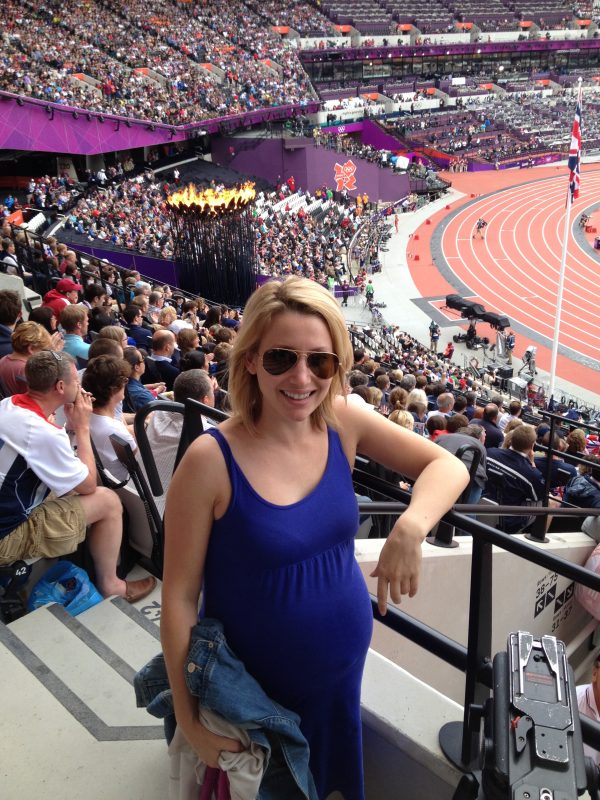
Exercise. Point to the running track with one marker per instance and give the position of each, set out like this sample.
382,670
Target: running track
515,269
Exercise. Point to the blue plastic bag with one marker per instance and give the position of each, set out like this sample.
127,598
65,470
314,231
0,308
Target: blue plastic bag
67,585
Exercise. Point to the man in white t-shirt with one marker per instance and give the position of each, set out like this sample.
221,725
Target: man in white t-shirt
164,427
36,458
588,701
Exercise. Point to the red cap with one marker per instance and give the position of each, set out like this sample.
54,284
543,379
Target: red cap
67,285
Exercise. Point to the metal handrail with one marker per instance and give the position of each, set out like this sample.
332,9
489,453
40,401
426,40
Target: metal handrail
475,660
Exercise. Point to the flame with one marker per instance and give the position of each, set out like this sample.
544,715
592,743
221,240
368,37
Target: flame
211,202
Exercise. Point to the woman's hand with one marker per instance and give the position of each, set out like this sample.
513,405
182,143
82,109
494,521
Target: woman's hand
399,565
57,341
209,745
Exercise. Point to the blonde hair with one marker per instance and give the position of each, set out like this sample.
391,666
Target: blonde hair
30,335
511,427
403,418
71,316
417,397
300,296
167,315
376,395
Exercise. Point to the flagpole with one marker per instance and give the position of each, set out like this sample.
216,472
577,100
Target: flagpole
559,296
572,193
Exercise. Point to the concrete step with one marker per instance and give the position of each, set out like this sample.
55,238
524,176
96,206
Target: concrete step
67,691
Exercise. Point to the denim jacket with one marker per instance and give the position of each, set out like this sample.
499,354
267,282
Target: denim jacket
219,680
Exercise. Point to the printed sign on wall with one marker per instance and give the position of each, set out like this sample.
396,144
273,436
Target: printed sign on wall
344,176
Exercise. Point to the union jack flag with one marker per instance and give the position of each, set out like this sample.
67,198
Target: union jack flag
575,152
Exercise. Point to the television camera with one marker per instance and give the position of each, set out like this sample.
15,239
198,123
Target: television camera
532,747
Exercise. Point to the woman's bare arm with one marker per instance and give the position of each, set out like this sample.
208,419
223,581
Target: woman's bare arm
195,491
440,479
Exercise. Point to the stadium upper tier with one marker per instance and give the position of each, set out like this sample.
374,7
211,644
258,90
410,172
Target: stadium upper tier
177,63
159,61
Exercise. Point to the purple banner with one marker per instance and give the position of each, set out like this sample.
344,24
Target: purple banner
360,53
517,163
160,270
350,127
28,124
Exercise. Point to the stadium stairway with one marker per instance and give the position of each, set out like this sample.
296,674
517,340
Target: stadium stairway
69,681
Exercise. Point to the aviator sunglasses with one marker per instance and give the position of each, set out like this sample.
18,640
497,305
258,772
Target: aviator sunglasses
279,360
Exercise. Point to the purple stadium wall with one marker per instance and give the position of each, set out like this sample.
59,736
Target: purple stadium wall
373,135
158,269
276,160
28,124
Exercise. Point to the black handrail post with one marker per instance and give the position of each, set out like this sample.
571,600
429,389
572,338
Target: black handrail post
538,529
479,645
444,535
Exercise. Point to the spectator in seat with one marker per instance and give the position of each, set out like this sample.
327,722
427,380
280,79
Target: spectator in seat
105,377
139,394
187,341
164,427
560,472
472,436
116,333
508,432
416,404
584,490
460,404
515,409
436,427
221,355
163,347
10,313
44,316
94,296
445,404
195,359
576,443
38,459
489,421
28,338
65,292
74,321
518,459
135,328
471,399
101,317
8,257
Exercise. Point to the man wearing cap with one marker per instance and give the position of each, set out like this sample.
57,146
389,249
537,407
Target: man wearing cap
64,293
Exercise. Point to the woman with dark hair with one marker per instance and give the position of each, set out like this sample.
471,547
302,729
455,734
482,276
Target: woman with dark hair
137,393
105,377
213,317
193,359
44,316
268,502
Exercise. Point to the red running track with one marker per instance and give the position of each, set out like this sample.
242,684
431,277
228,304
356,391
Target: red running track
515,269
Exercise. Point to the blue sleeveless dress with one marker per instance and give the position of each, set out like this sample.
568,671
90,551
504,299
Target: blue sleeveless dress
284,582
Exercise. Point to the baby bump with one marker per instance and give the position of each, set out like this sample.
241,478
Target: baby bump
303,628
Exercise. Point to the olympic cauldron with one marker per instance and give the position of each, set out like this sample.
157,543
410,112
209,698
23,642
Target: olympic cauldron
215,246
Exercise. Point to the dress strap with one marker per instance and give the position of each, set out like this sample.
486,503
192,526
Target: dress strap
225,450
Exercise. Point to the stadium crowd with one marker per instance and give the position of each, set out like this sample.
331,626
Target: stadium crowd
47,51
